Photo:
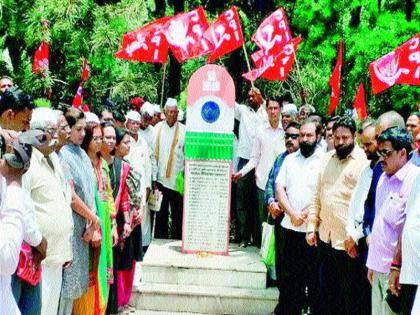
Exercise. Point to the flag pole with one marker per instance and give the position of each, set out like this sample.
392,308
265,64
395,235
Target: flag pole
163,84
247,63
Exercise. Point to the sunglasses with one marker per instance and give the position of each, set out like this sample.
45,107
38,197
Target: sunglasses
293,136
385,153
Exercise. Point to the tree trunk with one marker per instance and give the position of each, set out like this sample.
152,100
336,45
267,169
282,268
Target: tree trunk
355,17
160,8
174,73
409,7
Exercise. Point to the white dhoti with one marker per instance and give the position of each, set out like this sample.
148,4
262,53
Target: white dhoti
52,277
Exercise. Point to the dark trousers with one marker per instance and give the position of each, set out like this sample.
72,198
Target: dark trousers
247,205
408,294
345,289
173,198
28,298
298,268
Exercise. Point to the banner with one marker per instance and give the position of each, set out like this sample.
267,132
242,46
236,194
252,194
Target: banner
335,80
85,70
274,67
184,33
360,102
225,34
401,66
146,44
41,61
78,97
273,33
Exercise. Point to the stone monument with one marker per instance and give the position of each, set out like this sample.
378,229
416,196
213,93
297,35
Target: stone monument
208,161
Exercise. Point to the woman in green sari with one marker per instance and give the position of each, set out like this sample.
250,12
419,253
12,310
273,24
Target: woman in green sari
101,261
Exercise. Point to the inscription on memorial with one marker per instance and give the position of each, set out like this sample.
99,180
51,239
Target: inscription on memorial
206,221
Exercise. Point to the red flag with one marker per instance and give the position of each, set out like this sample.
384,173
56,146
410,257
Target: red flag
360,102
85,108
401,66
274,67
184,33
147,44
225,34
78,98
85,70
40,65
335,80
273,33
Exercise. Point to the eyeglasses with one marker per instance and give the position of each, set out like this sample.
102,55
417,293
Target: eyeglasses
290,135
385,153
51,131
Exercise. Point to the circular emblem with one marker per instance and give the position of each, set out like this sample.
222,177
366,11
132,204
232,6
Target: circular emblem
210,111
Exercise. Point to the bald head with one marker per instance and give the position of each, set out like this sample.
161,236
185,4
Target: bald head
388,120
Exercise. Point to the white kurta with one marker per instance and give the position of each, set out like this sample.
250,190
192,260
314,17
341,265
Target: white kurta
139,158
166,139
249,122
268,144
11,237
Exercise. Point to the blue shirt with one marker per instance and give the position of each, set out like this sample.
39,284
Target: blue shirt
270,187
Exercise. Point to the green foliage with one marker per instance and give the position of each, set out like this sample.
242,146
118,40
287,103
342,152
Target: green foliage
86,28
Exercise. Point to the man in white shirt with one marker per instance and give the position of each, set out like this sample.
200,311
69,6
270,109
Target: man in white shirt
295,187
250,118
169,153
140,158
51,195
268,144
14,204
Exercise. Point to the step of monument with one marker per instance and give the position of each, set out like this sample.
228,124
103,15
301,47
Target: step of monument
206,300
164,263
149,312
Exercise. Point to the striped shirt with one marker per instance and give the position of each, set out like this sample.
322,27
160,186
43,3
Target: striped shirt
391,198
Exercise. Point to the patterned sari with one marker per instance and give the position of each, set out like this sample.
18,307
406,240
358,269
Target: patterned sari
101,259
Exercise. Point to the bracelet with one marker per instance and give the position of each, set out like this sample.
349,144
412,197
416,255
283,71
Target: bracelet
395,268
396,264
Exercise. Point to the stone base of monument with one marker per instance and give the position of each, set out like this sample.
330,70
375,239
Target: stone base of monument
198,283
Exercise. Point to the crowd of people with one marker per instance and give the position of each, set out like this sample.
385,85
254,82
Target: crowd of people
75,188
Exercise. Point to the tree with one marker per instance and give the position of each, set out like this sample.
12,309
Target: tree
93,29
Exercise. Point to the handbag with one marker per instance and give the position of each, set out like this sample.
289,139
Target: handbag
268,250
26,269
155,200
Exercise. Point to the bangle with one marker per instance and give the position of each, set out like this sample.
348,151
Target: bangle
396,264
395,268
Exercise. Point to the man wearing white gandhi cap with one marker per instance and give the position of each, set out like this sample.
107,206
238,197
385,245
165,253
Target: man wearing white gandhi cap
52,195
169,153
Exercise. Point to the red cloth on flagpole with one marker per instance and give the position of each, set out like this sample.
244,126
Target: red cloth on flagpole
85,70
146,44
78,97
400,66
360,102
335,80
273,33
274,67
41,61
225,33
184,33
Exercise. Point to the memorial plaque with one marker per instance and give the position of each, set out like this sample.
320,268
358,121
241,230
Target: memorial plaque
207,196
208,161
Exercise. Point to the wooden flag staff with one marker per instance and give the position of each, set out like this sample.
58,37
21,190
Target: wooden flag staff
163,84
247,63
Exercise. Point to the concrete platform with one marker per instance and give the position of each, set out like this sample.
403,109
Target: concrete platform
164,263
175,283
